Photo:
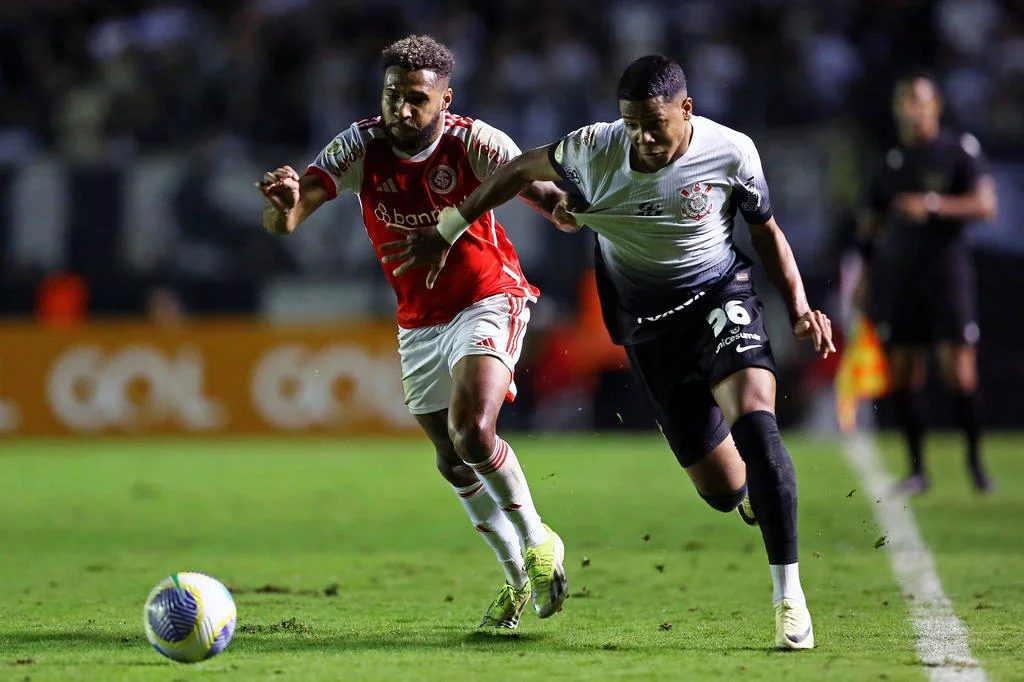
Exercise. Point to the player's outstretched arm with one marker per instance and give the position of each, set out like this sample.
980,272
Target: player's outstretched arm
529,174
547,199
515,177
776,255
290,199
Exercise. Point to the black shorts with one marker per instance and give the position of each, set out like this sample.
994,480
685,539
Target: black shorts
927,302
723,333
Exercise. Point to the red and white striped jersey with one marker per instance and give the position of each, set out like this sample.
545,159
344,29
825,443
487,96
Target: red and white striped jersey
395,188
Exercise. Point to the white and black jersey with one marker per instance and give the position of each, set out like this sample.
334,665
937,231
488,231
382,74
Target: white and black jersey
663,237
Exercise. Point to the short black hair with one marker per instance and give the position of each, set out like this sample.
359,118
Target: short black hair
651,76
413,53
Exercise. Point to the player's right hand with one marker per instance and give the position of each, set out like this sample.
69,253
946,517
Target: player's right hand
816,326
419,246
564,220
280,188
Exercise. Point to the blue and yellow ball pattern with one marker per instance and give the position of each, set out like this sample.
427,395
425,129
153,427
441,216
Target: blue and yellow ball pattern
189,617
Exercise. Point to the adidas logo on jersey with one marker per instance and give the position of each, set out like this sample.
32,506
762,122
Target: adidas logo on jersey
387,186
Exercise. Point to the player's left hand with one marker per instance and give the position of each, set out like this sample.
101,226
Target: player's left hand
562,215
419,246
912,207
816,326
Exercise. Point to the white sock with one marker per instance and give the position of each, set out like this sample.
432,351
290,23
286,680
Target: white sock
786,583
496,530
506,484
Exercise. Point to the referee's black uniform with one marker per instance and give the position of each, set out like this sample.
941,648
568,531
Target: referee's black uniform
922,278
923,289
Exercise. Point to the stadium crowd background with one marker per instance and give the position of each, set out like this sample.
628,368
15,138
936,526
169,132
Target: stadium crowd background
130,133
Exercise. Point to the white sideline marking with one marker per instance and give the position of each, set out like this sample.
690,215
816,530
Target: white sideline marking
941,637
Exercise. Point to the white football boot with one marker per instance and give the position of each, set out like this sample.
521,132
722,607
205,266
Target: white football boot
793,626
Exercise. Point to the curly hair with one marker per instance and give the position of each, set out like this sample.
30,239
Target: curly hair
413,53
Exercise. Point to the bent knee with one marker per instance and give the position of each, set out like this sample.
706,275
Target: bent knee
759,398
473,438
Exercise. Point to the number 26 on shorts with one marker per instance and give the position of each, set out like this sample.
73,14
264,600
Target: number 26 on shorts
733,312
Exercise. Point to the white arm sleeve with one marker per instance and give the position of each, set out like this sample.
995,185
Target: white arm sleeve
342,161
488,149
750,189
575,156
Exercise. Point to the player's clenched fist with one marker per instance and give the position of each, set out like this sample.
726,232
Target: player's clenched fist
564,220
281,188
816,326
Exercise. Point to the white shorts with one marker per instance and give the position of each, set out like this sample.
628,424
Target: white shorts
492,326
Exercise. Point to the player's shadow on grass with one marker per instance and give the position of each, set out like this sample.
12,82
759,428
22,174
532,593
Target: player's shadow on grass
433,640
37,643
386,641
502,638
74,638
377,640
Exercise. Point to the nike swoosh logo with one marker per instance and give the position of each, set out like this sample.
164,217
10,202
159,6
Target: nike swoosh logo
744,349
799,638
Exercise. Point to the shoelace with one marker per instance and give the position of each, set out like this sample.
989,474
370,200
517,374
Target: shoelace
506,599
789,618
536,564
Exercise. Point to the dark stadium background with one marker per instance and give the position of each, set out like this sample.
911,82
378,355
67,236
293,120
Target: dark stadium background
130,133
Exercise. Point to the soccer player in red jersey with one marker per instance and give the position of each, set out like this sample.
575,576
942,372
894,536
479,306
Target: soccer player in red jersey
458,343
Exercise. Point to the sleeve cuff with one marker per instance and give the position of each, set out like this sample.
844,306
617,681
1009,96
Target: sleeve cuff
554,163
326,179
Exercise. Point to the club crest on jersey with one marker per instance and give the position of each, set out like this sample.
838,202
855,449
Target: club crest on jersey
442,179
696,202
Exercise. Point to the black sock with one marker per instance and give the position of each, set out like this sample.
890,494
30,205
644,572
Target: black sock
771,483
910,414
967,414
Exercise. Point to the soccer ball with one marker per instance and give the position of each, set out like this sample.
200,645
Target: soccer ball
189,617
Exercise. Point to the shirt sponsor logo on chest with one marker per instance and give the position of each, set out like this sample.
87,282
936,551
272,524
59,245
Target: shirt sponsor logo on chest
383,214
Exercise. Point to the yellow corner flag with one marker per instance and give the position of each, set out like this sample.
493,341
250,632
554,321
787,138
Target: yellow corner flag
863,373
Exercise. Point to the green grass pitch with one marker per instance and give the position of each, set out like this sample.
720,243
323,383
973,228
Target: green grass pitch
352,559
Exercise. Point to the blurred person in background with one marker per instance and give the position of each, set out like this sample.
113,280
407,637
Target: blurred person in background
164,307
660,187
459,344
62,300
921,284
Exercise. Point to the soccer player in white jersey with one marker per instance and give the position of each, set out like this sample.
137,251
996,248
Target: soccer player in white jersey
458,344
660,187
